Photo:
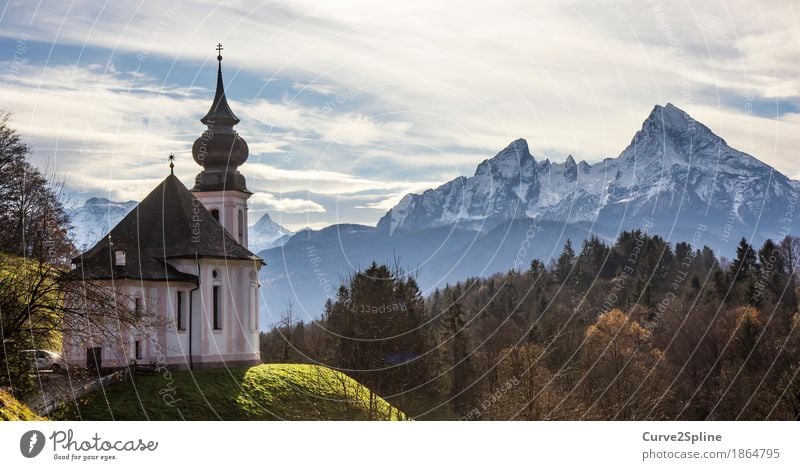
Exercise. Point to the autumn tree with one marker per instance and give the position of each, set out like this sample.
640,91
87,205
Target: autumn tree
617,362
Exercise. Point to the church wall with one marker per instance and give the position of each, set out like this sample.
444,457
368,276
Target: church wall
159,340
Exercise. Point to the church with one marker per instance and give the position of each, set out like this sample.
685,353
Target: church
180,258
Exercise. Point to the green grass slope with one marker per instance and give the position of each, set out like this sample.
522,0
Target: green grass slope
264,392
12,410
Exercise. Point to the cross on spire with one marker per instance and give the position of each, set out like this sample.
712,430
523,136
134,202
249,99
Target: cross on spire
171,159
219,51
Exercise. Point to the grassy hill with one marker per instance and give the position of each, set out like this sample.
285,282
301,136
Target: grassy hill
12,410
264,392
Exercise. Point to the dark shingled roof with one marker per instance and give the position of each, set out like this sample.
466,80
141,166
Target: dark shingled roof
170,223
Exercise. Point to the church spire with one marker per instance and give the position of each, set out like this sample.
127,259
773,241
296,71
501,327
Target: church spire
220,114
220,150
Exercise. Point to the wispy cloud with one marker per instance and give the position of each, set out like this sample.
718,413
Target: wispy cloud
341,100
325,182
261,201
318,88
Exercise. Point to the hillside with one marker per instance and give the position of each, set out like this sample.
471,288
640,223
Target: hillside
12,410
265,392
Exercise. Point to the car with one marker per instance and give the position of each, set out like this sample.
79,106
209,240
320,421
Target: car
44,359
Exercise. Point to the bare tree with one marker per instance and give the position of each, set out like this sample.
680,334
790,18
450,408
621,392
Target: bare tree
287,324
39,303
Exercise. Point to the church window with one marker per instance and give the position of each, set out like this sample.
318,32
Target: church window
119,258
179,311
137,349
137,306
216,307
241,226
215,214
254,306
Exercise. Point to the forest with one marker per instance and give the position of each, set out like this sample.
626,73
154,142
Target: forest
635,329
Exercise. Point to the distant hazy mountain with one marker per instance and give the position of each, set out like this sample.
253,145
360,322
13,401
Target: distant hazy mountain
676,177
94,219
266,233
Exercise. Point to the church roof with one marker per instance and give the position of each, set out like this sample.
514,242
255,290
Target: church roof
170,223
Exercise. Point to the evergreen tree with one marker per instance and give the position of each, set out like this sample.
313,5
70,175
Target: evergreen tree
378,322
745,261
565,262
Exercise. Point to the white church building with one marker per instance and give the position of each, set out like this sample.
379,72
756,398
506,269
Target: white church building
181,258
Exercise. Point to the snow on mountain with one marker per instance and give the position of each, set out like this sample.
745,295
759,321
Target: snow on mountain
95,219
498,191
675,170
266,233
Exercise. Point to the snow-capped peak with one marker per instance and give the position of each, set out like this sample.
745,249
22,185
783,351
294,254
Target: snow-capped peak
498,191
266,233
97,216
514,160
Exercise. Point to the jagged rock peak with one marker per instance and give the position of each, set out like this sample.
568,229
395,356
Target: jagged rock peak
513,161
518,148
674,121
543,166
570,169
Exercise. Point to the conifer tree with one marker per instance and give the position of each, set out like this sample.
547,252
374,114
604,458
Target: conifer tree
565,261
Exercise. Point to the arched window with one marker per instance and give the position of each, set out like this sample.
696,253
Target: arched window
215,214
241,226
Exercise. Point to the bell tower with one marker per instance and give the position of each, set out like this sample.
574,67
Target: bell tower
220,187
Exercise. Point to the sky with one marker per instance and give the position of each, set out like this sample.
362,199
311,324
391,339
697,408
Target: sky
349,105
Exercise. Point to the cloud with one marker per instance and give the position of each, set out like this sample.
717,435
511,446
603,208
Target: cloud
267,201
435,87
324,182
318,88
323,123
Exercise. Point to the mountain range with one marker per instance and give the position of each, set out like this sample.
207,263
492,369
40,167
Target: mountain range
676,178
